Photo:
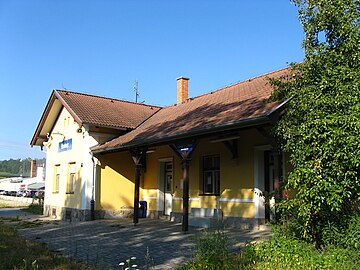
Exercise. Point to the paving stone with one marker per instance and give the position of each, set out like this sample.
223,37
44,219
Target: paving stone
106,243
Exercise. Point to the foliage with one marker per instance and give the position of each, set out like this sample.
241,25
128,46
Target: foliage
34,209
283,251
286,252
211,251
21,254
321,127
18,166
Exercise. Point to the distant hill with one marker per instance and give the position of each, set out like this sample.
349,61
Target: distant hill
17,167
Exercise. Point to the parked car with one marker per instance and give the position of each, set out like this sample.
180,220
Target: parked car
30,193
20,193
2,192
13,193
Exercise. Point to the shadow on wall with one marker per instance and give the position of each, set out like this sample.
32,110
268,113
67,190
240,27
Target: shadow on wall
118,183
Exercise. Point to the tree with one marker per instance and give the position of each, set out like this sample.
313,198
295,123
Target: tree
321,128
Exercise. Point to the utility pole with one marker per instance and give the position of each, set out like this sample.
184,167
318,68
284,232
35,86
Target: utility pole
136,90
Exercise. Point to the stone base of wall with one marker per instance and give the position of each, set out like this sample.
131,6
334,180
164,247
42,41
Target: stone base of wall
70,214
226,222
176,217
125,212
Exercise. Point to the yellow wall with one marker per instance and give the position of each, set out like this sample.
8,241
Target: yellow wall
236,177
116,181
67,126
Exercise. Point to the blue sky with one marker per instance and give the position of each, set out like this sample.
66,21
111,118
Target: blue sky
102,47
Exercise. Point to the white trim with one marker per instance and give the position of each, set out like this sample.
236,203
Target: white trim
259,179
190,199
165,159
160,203
150,197
237,200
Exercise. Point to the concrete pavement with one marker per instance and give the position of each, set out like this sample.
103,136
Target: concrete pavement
106,243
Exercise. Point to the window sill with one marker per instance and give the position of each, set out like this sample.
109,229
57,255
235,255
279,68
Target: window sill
55,192
209,194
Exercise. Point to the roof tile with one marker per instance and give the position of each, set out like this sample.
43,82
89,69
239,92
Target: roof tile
102,111
241,101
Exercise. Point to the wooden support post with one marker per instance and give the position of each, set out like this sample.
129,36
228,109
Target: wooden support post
184,150
138,156
185,168
137,193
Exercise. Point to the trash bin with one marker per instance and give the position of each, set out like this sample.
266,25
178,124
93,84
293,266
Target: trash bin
142,209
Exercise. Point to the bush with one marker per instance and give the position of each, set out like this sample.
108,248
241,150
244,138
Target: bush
211,251
345,235
34,209
284,251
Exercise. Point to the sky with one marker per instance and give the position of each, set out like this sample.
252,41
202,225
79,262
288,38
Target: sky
101,48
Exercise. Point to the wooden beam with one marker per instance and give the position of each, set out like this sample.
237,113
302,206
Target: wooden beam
138,157
266,134
232,146
184,151
185,168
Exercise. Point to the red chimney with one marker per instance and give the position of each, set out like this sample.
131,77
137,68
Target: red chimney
33,168
182,89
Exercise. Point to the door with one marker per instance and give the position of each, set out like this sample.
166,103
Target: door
272,162
168,187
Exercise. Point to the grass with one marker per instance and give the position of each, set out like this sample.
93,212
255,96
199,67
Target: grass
4,204
19,254
280,252
36,209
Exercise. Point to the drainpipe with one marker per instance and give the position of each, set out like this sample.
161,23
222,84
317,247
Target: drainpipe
92,201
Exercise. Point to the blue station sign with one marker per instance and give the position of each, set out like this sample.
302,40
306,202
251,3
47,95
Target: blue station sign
65,145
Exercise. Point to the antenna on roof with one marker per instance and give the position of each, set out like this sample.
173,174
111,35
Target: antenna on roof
62,85
136,90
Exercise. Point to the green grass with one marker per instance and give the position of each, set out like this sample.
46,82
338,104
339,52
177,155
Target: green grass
281,252
19,254
4,204
36,209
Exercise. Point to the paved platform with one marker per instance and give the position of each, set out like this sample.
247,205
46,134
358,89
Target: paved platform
106,243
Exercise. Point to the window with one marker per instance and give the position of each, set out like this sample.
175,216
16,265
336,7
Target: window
56,182
168,177
211,175
71,178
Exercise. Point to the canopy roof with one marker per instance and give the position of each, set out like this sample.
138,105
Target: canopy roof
238,105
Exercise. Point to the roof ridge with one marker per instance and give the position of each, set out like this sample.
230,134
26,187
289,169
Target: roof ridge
237,83
104,97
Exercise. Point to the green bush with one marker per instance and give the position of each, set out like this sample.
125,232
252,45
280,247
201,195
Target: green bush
284,251
34,209
211,251
345,235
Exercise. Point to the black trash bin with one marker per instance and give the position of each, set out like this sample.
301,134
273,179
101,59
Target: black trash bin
142,209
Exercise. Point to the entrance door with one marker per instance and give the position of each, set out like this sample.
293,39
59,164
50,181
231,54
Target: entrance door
272,170
168,187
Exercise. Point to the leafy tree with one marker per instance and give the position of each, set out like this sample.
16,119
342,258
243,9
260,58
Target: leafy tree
18,166
321,129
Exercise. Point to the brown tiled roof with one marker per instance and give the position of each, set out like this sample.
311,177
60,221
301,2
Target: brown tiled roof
105,112
228,107
93,110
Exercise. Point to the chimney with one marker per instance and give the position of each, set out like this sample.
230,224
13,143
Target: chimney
182,89
33,168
